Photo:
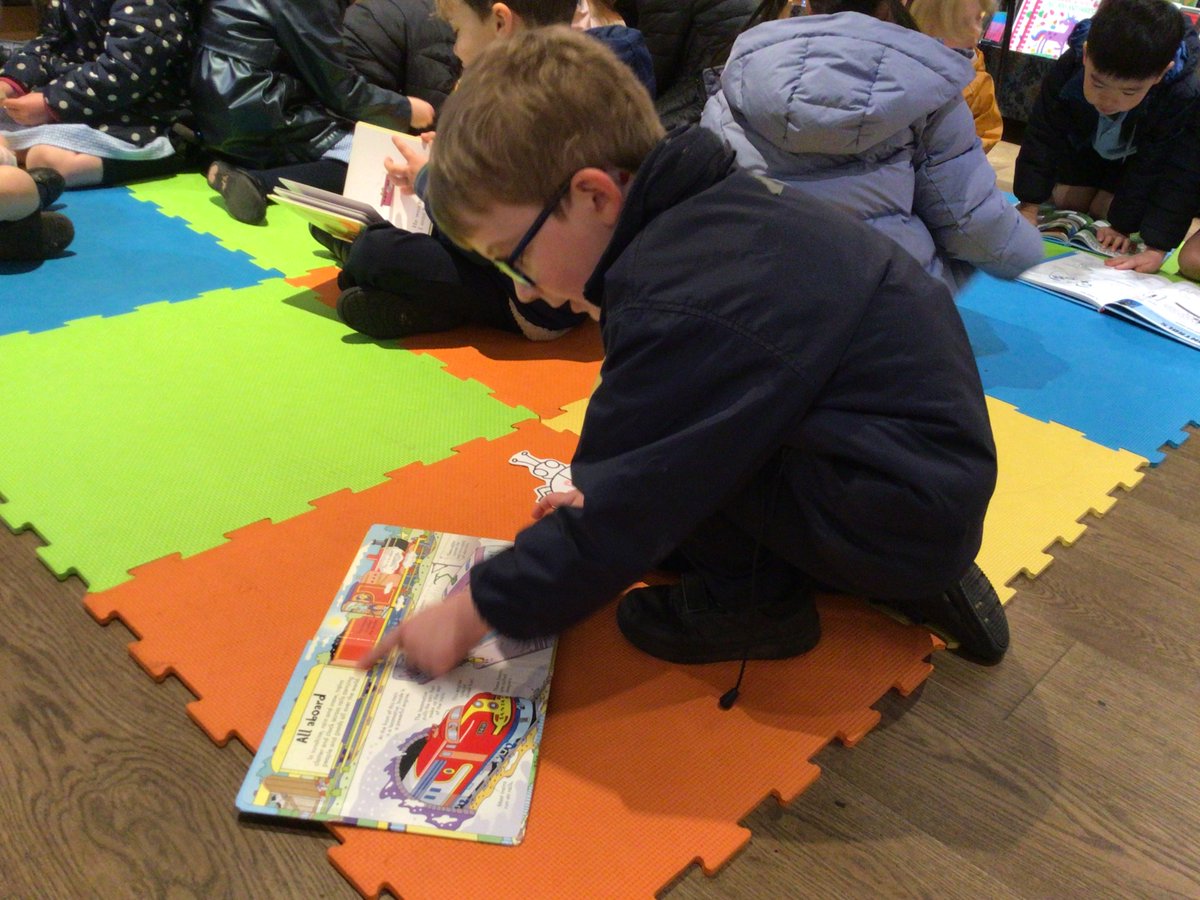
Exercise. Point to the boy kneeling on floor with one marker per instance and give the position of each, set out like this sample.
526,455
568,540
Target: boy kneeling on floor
787,402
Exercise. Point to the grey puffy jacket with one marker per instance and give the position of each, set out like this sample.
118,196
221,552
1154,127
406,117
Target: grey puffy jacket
870,116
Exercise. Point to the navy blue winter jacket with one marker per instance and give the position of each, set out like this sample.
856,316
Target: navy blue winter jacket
748,327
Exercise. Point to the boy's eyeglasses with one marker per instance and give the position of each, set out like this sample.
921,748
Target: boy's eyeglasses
508,265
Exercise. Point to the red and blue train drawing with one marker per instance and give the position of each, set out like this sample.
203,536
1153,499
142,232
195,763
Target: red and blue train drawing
465,752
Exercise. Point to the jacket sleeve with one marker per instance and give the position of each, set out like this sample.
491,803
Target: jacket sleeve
34,63
141,47
1045,141
658,475
1157,195
957,198
309,32
684,39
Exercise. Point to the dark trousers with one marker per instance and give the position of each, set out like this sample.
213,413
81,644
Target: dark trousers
326,174
425,268
775,538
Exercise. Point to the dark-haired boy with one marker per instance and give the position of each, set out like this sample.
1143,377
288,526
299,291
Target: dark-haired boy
1112,129
787,399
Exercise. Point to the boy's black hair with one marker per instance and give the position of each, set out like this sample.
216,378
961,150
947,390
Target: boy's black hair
888,10
534,13
1134,39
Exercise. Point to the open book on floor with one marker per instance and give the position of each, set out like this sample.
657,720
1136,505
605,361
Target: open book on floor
1169,307
368,198
1076,229
388,747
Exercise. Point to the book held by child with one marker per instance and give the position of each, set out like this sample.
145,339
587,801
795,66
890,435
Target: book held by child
1076,229
1169,307
388,747
369,196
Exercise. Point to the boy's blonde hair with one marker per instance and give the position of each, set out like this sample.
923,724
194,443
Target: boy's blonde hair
939,18
527,115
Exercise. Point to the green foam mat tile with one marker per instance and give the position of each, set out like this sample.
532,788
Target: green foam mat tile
128,438
283,243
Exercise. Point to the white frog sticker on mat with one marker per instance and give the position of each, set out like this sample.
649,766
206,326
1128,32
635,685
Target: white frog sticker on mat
555,475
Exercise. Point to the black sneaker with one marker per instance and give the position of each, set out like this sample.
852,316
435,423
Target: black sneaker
682,624
385,316
40,235
50,185
968,617
338,249
243,196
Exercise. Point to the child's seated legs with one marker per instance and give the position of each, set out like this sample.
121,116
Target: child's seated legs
396,284
27,232
77,169
245,190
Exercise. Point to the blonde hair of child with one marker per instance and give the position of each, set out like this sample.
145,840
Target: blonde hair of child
942,19
527,115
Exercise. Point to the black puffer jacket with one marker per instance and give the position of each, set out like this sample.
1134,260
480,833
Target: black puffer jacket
1157,194
271,85
402,46
685,37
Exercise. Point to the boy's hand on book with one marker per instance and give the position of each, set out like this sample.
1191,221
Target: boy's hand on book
422,113
1148,261
404,174
437,638
1111,239
553,501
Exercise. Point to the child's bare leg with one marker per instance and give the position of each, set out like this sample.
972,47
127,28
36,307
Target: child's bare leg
1100,204
1074,197
18,194
78,169
1189,258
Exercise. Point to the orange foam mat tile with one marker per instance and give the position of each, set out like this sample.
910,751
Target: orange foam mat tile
322,281
566,368
230,622
640,773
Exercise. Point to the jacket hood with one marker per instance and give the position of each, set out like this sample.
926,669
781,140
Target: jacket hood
688,161
838,84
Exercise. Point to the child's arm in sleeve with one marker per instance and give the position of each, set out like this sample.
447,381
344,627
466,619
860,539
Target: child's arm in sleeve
957,199
309,32
1045,140
141,47
36,62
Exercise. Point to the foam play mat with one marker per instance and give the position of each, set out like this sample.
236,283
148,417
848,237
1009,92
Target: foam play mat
1119,385
660,813
207,445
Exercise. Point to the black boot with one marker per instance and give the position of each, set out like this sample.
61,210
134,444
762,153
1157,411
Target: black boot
244,197
967,615
338,249
40,235
683,623
385,316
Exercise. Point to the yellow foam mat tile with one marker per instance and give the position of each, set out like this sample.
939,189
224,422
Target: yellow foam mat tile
1050,478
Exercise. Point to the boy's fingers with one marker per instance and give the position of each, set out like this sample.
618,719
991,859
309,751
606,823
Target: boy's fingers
391,640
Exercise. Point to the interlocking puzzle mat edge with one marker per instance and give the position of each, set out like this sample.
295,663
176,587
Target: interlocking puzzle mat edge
237,662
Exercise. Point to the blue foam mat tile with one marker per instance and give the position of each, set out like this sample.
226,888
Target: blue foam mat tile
1124,387
125,254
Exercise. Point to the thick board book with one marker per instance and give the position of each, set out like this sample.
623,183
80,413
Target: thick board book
1169,307
368,198
388,747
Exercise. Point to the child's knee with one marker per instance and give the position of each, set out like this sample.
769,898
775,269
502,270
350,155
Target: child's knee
1189,258
78,169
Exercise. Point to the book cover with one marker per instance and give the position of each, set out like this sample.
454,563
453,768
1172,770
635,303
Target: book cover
1078,230
387,747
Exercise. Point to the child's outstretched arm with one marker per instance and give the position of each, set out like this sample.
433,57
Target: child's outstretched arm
437,638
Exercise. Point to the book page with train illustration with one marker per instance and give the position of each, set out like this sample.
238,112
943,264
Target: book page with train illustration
388,747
